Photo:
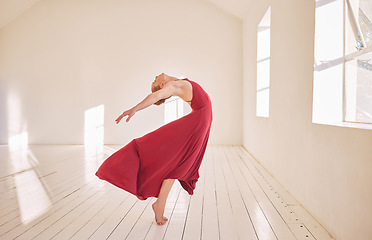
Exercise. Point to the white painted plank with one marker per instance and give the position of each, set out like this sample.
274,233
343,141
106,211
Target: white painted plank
58,196
109,225
116,197
258,217
300,231
210,228
157,232
77,219
177,221
242,219
277,223
283,193
52,190
227,225
56,211
124,227
193,222
81,202
67,225
317,230
143,223
233,188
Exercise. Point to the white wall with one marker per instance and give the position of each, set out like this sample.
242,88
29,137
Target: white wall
326,168
10,9
61,58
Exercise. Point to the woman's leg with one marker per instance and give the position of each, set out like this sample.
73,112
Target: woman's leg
159,205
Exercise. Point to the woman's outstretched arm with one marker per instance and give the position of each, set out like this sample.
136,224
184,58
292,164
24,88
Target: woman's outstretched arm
152,98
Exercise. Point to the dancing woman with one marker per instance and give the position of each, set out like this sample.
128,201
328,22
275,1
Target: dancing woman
149,165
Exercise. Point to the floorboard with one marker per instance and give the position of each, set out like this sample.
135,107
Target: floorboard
51,192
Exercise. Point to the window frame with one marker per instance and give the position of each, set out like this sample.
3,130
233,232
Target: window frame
346,57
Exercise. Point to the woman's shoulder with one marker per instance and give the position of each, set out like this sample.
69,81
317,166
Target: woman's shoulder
184,84
179,83
183,89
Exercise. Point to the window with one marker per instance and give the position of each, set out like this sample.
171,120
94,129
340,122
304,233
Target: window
358,68
342,68
173,109
263,66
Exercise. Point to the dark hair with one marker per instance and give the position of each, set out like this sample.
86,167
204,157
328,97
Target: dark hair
157,88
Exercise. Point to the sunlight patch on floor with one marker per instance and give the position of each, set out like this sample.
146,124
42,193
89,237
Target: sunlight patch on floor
32,196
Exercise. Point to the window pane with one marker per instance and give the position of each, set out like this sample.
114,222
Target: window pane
328,62
358,25
342,28
327,95
358,81
263,44
328,32
263,75
263,103
365,17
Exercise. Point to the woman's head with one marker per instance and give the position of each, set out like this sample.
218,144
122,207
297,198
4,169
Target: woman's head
158,84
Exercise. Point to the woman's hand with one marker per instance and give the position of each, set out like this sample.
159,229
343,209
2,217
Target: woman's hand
128,113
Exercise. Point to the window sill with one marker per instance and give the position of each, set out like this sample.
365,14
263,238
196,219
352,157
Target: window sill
347,124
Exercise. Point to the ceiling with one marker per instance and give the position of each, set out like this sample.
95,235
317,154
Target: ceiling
11,9
238,8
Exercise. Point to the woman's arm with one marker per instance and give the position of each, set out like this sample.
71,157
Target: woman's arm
152,98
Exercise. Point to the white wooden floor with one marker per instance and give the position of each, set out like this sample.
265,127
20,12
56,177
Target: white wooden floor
51,192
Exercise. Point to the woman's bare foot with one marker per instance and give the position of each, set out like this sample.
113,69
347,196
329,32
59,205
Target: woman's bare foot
159,211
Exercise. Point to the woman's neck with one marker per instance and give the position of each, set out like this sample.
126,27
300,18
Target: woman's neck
171,79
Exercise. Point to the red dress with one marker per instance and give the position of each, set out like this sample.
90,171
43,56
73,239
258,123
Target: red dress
173,151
